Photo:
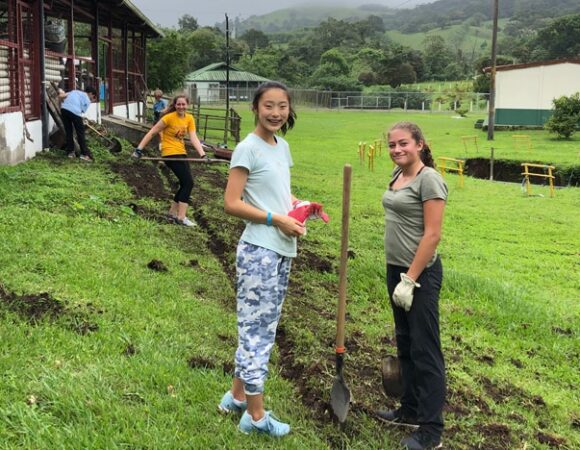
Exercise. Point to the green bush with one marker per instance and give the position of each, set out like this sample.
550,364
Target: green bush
566,116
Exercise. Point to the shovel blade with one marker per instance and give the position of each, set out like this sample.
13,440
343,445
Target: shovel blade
115,146
391,375
340,398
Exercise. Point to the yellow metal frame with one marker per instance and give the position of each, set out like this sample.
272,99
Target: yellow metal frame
361,151
371,156
457,166
465,139
379,146
527,174
522,140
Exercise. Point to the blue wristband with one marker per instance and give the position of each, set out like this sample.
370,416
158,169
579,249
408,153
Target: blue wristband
269,219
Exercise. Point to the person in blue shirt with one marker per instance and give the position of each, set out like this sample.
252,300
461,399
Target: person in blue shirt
159,105
74,105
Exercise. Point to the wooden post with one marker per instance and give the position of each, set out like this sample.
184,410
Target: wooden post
491,165
491,111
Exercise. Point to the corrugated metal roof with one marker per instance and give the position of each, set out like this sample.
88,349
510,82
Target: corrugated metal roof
217,72
146,21
533,64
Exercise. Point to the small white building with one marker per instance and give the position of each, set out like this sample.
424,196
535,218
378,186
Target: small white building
524,92
208,84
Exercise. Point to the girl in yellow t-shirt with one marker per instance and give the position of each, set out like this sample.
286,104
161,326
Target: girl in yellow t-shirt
174,125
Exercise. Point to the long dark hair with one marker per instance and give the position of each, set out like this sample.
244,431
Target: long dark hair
418,137
171,107
274,85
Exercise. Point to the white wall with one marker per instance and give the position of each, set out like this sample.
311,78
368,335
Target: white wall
15,146
536,87
12,140
206,91
121,110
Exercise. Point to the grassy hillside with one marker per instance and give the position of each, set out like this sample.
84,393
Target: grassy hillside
433,15
118,329
307,16
471,40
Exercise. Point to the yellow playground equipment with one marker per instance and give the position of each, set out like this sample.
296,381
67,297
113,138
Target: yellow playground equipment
470,139
451,165
545,168
371,155
361,151
522,141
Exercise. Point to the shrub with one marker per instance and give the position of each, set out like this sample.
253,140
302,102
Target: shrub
565,117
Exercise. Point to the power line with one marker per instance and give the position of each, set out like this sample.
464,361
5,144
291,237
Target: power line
402,4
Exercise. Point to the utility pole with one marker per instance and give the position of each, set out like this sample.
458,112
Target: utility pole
226,124
491,114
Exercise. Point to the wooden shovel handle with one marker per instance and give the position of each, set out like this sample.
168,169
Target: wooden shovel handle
195,160
341,315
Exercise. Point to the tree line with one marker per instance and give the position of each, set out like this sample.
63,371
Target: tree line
344,55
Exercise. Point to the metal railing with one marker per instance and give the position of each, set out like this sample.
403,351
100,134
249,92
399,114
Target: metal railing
406,101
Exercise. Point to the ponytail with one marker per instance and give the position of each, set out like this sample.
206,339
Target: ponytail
426,156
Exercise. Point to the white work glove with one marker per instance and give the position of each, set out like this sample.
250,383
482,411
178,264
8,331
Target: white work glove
403,293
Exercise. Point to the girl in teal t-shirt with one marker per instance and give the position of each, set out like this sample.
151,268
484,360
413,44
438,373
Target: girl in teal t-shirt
258,191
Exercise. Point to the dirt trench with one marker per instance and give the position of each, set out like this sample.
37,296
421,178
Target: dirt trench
511,171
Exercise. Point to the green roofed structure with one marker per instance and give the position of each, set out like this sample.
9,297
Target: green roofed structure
208,84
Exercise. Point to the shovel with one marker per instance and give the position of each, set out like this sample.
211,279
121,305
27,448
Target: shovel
391,375
113,144
340,395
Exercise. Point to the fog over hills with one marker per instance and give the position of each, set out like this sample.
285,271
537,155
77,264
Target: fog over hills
167,12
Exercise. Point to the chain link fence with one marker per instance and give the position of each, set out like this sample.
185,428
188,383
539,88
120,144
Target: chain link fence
394,100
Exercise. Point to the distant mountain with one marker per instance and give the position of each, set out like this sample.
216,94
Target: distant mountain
299,17
423,17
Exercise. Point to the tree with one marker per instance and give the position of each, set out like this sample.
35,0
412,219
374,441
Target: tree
566,116
207,47
264,62
333,73
336,33
561,39
335,62
187,23
403,74
168,61
255,39
437,57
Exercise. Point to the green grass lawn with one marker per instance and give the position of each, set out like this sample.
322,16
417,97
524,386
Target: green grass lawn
129,357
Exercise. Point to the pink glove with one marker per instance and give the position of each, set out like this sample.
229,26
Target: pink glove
304,210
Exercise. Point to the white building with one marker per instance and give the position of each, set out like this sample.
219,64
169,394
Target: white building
208,84
524,92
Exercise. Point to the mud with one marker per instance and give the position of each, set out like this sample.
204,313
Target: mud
36,308
551,440
198,362
157,266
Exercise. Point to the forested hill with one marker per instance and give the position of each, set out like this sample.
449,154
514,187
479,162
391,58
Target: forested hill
442,13
452,12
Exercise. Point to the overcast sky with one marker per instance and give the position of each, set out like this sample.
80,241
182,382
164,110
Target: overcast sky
208,12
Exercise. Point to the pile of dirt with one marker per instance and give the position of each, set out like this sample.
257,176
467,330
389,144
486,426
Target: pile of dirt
35,308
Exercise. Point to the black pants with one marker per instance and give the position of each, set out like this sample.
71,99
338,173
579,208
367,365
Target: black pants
70,120
419,348
182,171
